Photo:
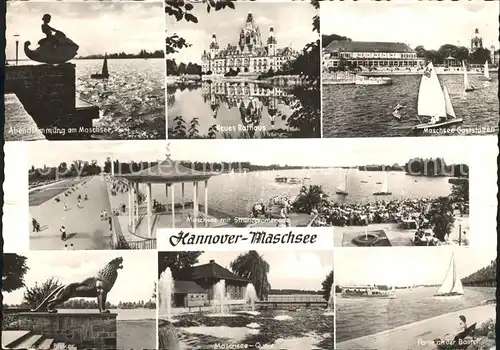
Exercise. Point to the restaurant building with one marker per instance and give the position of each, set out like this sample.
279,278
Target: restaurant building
367,54
197,285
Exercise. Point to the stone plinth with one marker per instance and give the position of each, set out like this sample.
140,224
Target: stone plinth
48,93
85,330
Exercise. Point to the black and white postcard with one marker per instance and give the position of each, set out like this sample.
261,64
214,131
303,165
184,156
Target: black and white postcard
270,299
385,73
240,70
84,70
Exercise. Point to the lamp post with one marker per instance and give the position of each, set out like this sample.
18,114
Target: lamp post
16,36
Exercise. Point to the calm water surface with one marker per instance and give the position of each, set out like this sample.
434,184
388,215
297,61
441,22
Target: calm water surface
230,109
365,111
131,101
360,317
235,194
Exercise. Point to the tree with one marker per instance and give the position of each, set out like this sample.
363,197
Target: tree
253,267
480,56
177,261
181,10
309,198
14,269
327,39
33,296
460,191
441,217
327,287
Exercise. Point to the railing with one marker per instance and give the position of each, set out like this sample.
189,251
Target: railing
141,245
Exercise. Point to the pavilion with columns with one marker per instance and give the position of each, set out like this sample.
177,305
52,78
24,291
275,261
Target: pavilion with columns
169,173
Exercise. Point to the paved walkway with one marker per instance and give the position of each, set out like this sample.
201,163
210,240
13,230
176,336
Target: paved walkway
84,227
420,335
19,125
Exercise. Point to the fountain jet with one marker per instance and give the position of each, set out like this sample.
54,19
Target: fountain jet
251,296
220,296
165,293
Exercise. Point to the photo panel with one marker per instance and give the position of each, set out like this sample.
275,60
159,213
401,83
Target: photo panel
392,80
244,294
67,300
238,70
404,298
93,70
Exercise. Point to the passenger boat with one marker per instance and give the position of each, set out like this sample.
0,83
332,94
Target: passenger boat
384,190
452,285
369,291
288,180
434,102
373,81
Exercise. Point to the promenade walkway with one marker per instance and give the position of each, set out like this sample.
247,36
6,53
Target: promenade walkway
421,334
84,227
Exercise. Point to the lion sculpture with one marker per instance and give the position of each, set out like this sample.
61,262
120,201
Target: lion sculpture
92,287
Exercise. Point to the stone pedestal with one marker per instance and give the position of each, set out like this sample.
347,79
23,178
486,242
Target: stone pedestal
85,329
48,93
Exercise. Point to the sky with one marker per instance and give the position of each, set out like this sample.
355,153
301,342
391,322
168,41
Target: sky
97,27
406,265
292,23
304,270
336,152
428,23
134,282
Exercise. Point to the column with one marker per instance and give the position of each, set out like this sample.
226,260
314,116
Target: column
206,203
166,197
183,202
173,206
149,214
195,204
136,206
130,221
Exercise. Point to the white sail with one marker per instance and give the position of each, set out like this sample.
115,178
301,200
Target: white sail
449,107
343,185
452,282
385,185
430,95
486,70
466,77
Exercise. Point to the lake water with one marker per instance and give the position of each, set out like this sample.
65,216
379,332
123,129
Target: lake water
360,317
131,101
235,194
230,109
365,111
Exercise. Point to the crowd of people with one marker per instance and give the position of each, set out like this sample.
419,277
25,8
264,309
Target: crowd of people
275,207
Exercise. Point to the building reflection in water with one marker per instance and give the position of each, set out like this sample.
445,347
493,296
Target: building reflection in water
248,100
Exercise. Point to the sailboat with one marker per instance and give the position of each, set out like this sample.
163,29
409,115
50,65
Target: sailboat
486,71
467,85
434,102
104,73
384,190
342,189
452,285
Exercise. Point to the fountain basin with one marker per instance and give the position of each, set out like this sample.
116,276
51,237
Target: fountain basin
365,240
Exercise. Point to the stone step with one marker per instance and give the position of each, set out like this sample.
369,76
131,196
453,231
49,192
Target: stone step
45,344
28,342
10,338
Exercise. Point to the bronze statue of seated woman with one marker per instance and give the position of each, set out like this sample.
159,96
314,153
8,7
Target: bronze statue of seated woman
54,48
